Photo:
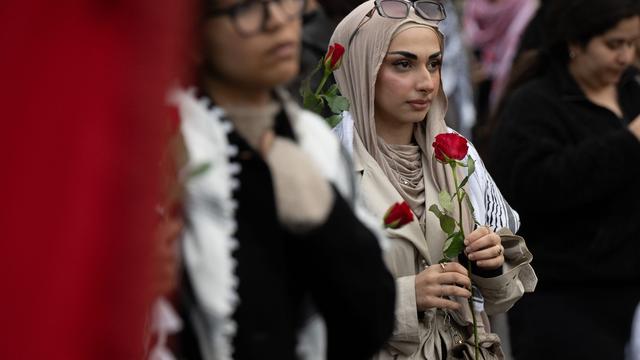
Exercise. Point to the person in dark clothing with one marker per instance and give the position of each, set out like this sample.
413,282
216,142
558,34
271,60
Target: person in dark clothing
317,28
566,153
275,259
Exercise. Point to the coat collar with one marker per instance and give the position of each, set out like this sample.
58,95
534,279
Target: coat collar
379,195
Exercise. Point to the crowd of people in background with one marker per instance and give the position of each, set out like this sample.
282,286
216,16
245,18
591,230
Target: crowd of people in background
266,238
566,197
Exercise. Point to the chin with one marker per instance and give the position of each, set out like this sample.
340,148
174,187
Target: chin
612,77
412,119
281,74
417,117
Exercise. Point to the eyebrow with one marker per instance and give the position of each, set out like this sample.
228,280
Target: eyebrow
412,55
406,54
621,38
436,55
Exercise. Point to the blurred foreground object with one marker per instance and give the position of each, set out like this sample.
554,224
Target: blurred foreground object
83,87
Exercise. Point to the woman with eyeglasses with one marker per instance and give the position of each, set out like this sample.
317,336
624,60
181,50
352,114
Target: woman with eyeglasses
391,76
276,264
566,151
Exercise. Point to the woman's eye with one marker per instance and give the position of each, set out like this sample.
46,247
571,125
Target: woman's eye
402,64
615,44
434,65
248,7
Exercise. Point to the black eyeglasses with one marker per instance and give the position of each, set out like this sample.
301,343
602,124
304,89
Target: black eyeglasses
250,17
399,9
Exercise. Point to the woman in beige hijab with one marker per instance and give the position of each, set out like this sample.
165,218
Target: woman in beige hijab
391,76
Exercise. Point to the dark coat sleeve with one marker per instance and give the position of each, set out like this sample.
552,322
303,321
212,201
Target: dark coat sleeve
350,284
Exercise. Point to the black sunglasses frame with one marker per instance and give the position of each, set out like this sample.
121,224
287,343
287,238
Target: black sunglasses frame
412,4
232,12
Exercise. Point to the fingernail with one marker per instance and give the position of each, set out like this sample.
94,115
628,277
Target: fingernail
466,242
472,256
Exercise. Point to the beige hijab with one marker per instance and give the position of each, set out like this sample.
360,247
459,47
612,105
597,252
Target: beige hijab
356,79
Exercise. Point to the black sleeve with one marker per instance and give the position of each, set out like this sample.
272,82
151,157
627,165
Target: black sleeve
350,284
464,261
538,164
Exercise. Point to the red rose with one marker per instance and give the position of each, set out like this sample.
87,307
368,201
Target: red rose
332,59
398,215
450,146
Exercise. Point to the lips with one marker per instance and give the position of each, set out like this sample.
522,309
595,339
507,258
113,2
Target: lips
283,50
419,101
419,104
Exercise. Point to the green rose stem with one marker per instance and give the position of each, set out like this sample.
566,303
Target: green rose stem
325,76
473,313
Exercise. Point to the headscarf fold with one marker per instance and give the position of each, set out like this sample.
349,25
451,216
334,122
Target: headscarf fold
356,79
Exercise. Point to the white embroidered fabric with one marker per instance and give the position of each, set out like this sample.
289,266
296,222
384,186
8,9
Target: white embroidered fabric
164,323
489,205
208,237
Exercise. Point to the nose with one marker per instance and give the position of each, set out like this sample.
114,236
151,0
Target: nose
275,15
627,54
425,82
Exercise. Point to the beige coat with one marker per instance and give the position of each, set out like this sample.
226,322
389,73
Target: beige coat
407,255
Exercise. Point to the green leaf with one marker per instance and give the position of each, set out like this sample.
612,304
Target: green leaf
337,104
305,87
434,209
454,246
464,181
334,120
447,224
332,91
471,164
312,102
198,170
447,242
445,201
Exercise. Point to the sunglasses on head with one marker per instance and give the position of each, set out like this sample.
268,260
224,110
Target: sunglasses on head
399,9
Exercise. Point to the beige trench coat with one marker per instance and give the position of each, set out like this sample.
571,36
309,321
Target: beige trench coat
421,338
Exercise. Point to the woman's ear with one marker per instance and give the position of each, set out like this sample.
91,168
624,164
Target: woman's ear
574,49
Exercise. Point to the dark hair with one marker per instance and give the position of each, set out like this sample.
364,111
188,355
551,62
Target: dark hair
579,21
570,22
564,22
338,9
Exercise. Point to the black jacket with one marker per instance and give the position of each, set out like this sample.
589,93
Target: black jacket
571,168
336,269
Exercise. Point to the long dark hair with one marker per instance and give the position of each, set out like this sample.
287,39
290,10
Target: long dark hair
570,22
565,22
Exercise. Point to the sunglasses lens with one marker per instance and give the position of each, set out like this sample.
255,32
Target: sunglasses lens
430,10
394,9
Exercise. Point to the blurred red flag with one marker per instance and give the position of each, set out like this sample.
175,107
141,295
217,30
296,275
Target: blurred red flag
83,86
